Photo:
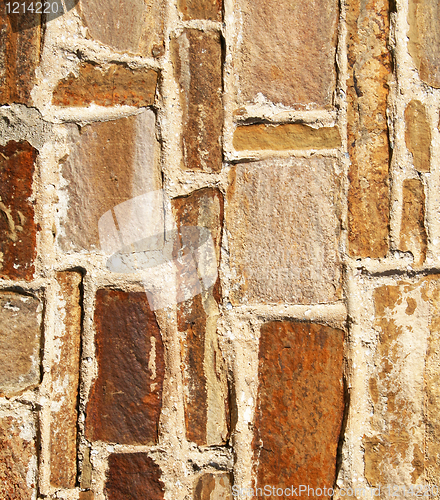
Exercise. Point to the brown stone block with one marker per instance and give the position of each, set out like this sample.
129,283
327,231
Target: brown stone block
286,136
369,66
418,135
282,218
133,475
110,162
300,404
213,487
201,9
17,226
126,398
115,85
413,236
287,51
65,379
18,458
86,495
20,45
20,338
197,60
135,26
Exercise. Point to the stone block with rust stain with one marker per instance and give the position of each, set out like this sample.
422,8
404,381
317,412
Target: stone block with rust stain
369,66
201,9
197,61
418,135
213,487
126,398
300,405
206,392
18,229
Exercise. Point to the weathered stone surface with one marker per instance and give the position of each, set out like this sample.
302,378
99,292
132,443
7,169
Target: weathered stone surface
213,487
285,136
126,398
300,404
86,495
119,156
65,379
135,26
197,60
424,39
204,374
20,44
20,337
369,65
117,84
418,135
201,9
133,475
413,236
286,51
17,227
283,229
18,458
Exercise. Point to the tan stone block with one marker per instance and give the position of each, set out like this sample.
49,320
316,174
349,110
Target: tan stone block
369,66
20,338
282,218
286,51
418,135
213,487
201,9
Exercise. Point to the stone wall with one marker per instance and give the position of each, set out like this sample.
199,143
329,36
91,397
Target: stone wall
220,249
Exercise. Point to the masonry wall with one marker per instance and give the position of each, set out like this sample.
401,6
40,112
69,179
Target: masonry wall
219,249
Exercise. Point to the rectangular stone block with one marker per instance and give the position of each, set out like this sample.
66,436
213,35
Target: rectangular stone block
65,380
285,52
204,370
213,486
119,156
135,26
197,61
133,475
112,86
17,226
20,340
201,9
126,398
20,45
418,135
369,66
282,218
300,405
413,236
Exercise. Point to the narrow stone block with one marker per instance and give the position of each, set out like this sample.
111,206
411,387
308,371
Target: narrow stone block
112,86
126,398
300,404
17,226
201,9
369,66
197,60
418,135
213,487
282,218
65,380
20,339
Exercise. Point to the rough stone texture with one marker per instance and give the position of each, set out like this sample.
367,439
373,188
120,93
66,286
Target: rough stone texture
17,227
20,334
18,458
300,404
117,84
126,398
135,26
201,9
197,60
283,229
424,39
413,236
65,379
133,475
213,487
286,136
418,135
204,371
287,51
369,65
86,495
20,44
119,156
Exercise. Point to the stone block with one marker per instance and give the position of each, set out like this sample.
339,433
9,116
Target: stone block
418,135
213,487
201,9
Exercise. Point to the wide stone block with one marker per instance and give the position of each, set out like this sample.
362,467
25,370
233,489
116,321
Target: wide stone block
418,135
283,223
213,487
201,9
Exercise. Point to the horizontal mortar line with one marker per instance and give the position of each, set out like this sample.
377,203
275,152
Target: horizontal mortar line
30,286
266,154
285,116
28,398
203,24
61,114
398,267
